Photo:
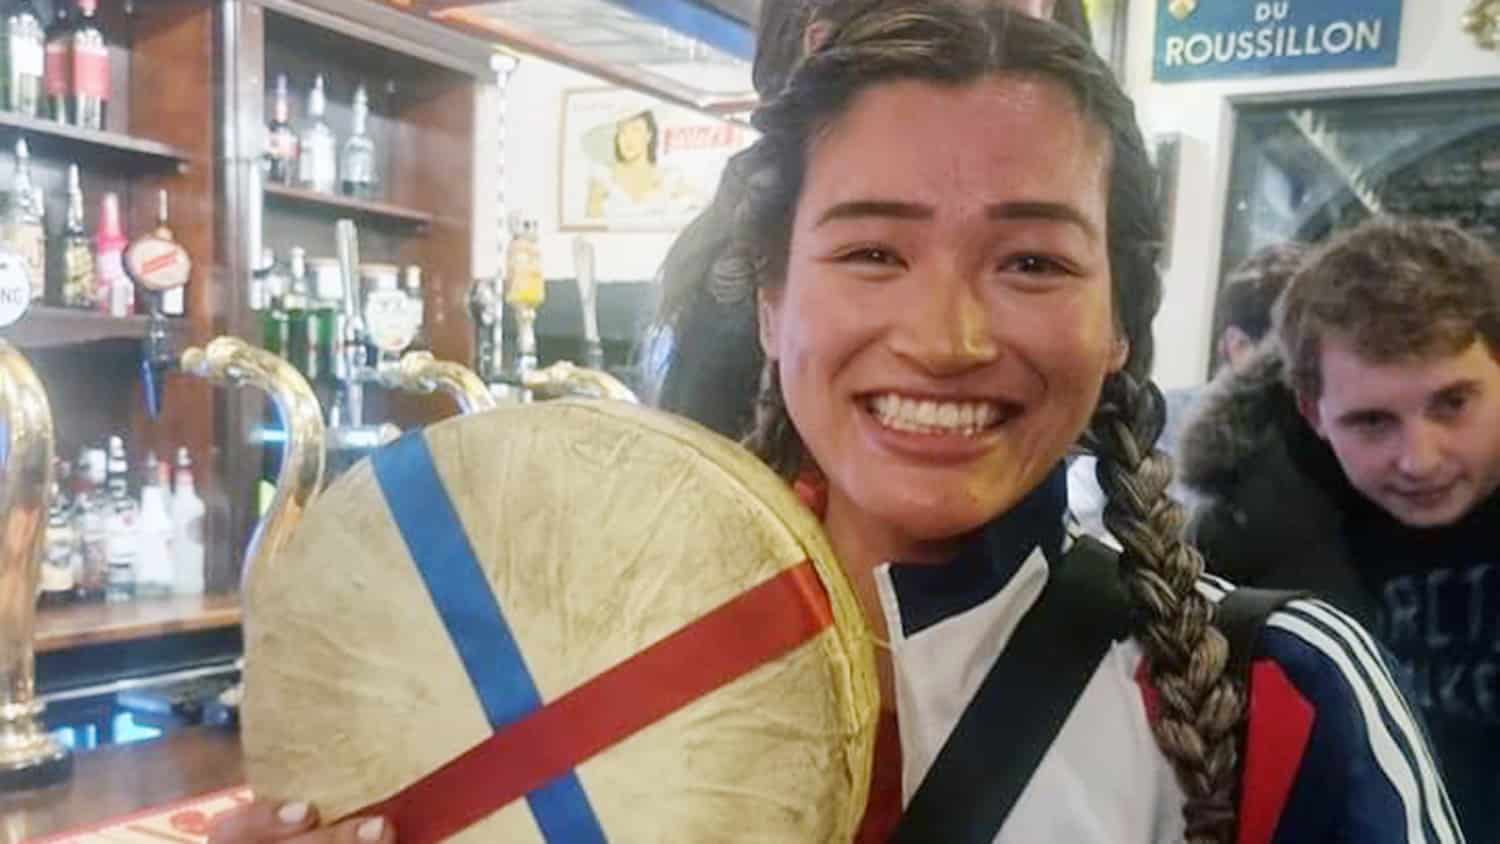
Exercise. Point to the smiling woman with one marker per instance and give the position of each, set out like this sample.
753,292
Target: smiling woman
943,308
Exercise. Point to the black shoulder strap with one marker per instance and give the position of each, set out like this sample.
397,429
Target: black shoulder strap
1001,737
1240,617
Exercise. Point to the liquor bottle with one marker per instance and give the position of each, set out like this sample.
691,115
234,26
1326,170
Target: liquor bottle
317,162
116,292
57,81
174,301
281,139
91,512
21,225
359,152
187,530
295,305
411,280
89,100
155,574
24,51
123,530
275,329
80,282
58,570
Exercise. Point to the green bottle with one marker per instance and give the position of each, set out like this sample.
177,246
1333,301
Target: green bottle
275,326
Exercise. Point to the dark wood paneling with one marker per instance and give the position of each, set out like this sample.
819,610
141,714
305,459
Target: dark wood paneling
171,100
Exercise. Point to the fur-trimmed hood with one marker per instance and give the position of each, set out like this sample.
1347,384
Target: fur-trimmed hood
1241,418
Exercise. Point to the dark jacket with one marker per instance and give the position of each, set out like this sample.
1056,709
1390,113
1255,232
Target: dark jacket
1272,494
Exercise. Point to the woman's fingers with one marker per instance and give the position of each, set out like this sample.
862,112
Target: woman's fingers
263,821
354,831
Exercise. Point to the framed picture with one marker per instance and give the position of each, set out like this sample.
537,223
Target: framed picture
632,163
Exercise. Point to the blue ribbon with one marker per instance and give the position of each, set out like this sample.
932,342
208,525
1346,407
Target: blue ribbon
470,611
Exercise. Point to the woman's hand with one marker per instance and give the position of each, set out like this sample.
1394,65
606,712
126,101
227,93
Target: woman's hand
295,823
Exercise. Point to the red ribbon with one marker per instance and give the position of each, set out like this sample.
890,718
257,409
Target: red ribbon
751,629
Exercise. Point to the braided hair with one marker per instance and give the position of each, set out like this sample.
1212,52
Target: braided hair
949,42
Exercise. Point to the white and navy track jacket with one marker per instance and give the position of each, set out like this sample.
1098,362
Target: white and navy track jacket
1334,752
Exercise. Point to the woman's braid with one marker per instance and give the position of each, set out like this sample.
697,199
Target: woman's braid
1200,706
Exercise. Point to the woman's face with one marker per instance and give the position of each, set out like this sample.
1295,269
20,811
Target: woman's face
633,139
945,324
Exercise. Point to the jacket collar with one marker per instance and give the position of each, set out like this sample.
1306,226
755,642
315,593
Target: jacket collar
987,561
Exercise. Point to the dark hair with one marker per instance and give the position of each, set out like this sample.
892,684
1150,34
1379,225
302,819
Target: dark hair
653,134
783,23
1252,287
1401,289
690,319
952,43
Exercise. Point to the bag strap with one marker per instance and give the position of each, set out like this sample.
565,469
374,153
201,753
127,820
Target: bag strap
1241,617
1001,737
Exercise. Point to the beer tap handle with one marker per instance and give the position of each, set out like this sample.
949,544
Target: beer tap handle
588,296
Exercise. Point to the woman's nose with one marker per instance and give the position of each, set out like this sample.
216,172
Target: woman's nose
947,330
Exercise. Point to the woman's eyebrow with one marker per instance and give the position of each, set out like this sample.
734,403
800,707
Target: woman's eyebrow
1060,212
889,208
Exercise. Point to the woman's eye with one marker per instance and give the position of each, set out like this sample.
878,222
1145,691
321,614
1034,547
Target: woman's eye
870,255
1034,265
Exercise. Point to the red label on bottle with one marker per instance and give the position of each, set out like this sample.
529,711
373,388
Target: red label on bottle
91,71
57,70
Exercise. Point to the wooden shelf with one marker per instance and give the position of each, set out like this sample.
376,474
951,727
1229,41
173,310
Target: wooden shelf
374,212
97,624
47,138
48,327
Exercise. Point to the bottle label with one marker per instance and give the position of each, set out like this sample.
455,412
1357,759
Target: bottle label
388,316
27,57
91,70
15,288
29,243
58,72
80,283
359,167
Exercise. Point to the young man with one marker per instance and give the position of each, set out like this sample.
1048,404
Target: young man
1362,460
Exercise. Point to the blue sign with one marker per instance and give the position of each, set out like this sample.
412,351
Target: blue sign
1214,39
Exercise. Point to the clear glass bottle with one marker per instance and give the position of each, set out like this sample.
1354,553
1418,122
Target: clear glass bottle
24,51
116,292
154,573
174,301
187,530
89,59
281,138
80,280
317,164
21,228
57,81
92,511
123,530
358,164
58,571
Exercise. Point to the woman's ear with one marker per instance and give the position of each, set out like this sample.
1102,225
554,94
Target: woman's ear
1120,354
767,312
815,36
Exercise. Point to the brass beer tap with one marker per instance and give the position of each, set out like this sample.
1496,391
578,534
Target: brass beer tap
29,758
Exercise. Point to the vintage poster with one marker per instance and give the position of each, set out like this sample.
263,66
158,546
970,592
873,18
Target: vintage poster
630,162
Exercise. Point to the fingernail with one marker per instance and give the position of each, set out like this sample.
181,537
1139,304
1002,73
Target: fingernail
293,813
371,830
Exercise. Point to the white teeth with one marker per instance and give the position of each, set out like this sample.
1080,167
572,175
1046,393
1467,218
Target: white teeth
927,413
931,417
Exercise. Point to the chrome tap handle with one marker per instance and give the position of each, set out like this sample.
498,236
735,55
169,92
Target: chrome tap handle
588,301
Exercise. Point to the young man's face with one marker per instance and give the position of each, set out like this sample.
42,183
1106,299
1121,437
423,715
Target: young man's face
1421,438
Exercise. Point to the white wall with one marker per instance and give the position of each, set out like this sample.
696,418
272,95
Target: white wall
1433,49
533,131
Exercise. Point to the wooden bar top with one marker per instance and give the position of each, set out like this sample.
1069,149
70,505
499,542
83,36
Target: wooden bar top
96,624
120,780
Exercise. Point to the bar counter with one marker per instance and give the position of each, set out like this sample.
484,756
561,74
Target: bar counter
97,624
124,779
